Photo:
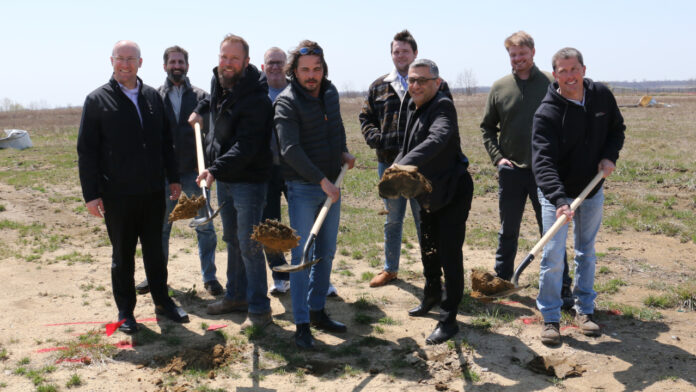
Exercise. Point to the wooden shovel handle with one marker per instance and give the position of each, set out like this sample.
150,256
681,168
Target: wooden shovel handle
327,204
199,152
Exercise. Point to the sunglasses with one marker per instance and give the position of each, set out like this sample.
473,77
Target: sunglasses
420,81
305,51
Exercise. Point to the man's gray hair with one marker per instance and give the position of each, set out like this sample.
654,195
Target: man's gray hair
566,53
426,63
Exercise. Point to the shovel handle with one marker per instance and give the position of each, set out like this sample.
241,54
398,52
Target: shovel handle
199,152
327,204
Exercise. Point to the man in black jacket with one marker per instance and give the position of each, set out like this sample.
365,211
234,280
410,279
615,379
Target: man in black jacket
578,130
432,144
180,98
241,121
124,150
312,142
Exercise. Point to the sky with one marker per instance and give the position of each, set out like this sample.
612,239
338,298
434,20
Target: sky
57,52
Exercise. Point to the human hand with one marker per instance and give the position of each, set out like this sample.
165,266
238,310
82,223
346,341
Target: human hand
96,207
565,210
195,118
174,191
330,189
348,158
207,177
607,167
503,161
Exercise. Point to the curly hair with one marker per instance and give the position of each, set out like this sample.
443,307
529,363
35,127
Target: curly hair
309,48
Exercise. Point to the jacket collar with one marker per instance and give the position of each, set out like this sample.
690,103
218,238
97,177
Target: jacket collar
393,79
116,86
168,85
325,83
533,73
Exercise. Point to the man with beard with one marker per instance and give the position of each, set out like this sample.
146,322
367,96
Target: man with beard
241,121
125,150
432,144
312,142
382,121
510,109
180,98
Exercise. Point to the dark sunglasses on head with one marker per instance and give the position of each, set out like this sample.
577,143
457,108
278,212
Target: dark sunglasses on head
305,51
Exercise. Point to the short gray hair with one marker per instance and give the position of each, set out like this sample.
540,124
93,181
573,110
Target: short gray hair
426,63
566,53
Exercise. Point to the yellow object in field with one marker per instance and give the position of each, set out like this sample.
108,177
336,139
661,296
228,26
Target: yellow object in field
645,101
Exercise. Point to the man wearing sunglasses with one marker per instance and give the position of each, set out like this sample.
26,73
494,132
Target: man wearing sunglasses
432,144
125,150
240,159
382,121
312,142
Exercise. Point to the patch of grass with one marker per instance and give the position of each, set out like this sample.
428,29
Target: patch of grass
609,287
663,301
364,319
74,381
367,276
24,361
76,257
603,270
47,388
481,237
4,355
628,311
205,388
253,332
349,371
387,321
378,329
492,317
364,303
2,208
88,345
470,375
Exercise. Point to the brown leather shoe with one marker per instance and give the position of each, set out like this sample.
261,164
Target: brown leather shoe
587,325
382,278
226,306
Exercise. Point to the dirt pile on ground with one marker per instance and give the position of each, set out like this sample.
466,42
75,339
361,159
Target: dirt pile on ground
484,283
403,181
275,236
558,366
186,208
206,359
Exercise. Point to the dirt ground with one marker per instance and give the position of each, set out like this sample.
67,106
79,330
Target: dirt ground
48,303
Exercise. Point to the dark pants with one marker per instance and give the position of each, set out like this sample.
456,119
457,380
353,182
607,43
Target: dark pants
276,187
443,233
515,185
129,219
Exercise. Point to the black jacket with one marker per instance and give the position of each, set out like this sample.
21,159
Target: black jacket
310,132
569,140
241,122
182,133
432,144
116,154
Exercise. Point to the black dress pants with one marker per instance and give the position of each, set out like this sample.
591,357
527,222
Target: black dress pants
443,233
128,219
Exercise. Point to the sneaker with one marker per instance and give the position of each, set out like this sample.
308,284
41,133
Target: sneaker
551,334
382,278
587,325
331,292
213,287
567,297
280,287
227,306
258,320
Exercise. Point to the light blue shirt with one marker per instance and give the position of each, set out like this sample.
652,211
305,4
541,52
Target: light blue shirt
132,94
403,80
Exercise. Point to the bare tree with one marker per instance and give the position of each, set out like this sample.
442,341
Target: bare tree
466,80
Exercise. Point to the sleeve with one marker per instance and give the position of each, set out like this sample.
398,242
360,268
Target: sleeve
442,128
490,130
250,137
88,150
545,151
615,133
369,122
168,154
288,131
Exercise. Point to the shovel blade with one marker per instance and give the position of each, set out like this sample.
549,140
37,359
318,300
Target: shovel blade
210,215
504,293
296,267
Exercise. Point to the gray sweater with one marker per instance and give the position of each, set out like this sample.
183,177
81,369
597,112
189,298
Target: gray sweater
310,133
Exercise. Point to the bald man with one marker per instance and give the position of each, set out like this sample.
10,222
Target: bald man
125,149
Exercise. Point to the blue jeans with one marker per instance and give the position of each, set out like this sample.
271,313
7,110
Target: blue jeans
308,287
207,240
393,225
246,265
586,223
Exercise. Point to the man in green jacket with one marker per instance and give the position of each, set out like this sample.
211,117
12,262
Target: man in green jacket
507,134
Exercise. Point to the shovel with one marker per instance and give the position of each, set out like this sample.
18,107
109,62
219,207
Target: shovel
305,262
545,238
209,213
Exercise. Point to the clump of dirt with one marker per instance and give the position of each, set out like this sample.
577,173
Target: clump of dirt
186,208
209,359
484,283
403,181
560,367
275,236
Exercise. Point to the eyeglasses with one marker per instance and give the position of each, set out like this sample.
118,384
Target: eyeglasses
126,59
305,51
420,81
275,64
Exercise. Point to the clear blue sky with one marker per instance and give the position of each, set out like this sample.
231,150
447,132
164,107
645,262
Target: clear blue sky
56,52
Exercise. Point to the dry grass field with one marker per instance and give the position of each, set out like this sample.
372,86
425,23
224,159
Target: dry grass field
56,292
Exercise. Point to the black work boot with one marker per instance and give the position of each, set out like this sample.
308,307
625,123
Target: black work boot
321,320
567,297
432,295
303,336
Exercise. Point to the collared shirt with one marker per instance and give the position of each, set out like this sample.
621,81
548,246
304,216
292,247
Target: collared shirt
403,81
175,94
579,103
132,94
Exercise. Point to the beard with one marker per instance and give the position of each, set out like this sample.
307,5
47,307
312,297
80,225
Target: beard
176,77
228,81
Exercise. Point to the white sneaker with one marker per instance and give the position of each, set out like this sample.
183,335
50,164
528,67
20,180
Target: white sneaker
280,287
331,292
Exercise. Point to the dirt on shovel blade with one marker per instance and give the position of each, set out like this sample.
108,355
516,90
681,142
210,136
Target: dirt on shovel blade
186,208
484,284
275,236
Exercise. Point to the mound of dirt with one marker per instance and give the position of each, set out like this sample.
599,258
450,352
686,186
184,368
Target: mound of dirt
209,359
186,208
558,366
403,181
483,283
275,236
